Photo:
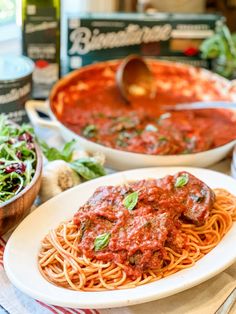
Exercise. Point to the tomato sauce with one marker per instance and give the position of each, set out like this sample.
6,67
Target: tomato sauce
133,223
91,105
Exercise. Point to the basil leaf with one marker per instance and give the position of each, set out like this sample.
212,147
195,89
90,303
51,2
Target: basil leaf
90,130
162,138
121,143
101,241
68,149
88,168
123,137
131,200
52,153
26,128
181,180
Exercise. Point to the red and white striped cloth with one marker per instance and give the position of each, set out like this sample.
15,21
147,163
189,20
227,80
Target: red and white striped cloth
2,245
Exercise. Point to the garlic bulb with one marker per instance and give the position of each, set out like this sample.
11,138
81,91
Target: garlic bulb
57,177
100,158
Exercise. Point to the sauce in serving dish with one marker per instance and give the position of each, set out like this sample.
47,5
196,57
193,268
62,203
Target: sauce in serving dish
90,105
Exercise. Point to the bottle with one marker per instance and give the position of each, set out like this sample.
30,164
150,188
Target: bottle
41,42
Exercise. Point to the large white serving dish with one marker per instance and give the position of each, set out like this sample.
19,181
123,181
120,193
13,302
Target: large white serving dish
20,257
122,160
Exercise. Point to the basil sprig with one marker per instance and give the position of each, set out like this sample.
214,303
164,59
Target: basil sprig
88,168
101,241
90,130
131,200
181,180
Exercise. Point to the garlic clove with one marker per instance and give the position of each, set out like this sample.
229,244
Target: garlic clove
100,158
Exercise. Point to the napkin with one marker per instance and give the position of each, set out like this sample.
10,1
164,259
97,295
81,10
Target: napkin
205,298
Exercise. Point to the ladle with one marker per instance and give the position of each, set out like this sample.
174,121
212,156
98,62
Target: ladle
134,78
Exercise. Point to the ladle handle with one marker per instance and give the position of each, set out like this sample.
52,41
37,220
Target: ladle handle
202,105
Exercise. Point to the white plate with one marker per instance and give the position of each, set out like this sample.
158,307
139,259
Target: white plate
20,258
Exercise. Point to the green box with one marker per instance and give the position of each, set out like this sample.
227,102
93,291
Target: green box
98,37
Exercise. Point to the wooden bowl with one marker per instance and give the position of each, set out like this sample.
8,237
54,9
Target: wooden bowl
16,208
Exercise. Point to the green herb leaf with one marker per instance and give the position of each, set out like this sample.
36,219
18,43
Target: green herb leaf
88,168
162,138
123,138
121,143
68,149
52,153
101,241
131,200
124,123
90,130
26,128
181,180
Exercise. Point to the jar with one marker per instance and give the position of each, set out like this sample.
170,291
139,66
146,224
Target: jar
15,86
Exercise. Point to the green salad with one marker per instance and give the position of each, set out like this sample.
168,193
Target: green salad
17,158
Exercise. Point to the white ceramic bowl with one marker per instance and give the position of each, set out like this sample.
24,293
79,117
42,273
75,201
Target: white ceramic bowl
122,160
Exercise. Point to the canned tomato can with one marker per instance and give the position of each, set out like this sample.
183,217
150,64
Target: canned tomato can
15,86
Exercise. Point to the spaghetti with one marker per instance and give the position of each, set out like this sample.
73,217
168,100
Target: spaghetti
63,263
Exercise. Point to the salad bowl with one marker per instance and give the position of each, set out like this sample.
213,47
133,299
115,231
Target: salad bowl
14,208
